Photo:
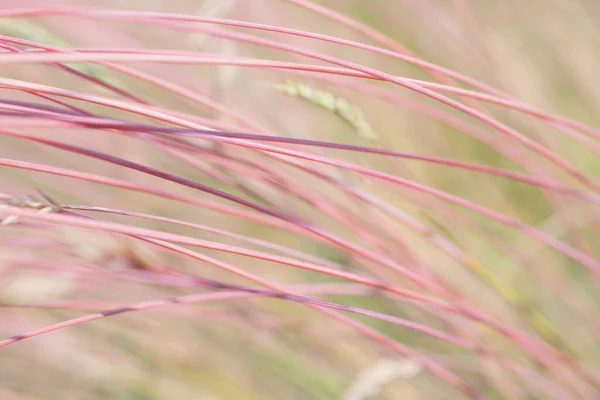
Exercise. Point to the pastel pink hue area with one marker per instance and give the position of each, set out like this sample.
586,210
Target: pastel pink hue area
460,236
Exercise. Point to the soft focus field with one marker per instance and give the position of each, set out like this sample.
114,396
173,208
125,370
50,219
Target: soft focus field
420,179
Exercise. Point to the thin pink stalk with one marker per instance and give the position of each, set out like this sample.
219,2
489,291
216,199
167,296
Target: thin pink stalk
213,285
144,16
141,16
94,122
190,94
502,128
378,37
158,238
528,344
420,280
170,237
333,239
262,243
427,363
453,163
103,56
505,331
583,259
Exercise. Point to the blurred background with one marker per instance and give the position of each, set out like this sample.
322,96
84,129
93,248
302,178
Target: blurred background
236,346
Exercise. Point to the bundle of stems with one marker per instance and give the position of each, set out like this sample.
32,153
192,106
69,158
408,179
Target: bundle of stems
254,210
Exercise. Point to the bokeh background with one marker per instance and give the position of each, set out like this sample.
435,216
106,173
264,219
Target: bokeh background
233,346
